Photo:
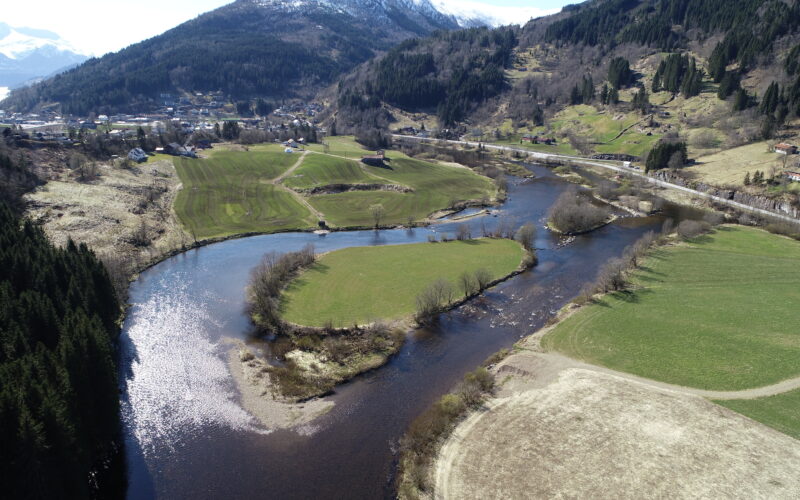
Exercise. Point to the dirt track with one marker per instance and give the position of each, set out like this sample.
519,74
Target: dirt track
559,430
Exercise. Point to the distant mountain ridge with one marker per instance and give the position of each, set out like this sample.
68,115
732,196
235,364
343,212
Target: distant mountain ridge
27,54
249,48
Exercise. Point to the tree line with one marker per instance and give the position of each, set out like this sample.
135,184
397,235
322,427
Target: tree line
59,398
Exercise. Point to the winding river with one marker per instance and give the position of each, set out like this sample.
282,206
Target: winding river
187,436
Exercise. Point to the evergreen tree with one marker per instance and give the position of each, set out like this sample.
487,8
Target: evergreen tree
747,179
769,103
741,101
619,73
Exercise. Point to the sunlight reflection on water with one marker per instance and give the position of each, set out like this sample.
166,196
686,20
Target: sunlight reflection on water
178,381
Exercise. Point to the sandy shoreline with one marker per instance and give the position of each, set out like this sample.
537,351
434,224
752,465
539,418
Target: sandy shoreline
258,397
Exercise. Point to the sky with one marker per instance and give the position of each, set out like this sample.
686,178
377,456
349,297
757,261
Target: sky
99,26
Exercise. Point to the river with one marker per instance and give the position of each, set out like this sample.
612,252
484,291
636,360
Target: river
187,436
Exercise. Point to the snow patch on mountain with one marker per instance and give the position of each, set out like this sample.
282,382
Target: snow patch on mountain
471,13
18,43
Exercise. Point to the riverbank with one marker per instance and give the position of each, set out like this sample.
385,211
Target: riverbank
261,399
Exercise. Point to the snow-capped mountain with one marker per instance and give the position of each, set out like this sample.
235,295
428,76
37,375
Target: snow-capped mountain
471,13
448,13
27,54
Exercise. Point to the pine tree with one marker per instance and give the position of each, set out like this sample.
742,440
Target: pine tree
747,179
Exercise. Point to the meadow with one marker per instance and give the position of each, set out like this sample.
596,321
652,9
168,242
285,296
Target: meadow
365,284
231,193
236,191
781,412
435,187
719,312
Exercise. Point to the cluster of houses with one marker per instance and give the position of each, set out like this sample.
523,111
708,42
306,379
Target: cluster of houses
291,145
535,139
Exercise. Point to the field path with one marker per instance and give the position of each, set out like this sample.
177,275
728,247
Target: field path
277,180
300,198
561,362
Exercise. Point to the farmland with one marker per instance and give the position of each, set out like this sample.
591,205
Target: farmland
264,189
716,313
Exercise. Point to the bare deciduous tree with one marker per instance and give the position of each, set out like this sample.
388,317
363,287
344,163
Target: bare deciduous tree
377,212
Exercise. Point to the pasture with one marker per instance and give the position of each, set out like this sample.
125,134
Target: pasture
231,193
718,313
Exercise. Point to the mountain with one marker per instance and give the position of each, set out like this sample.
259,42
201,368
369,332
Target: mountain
27,54
266,48
733,50
470,14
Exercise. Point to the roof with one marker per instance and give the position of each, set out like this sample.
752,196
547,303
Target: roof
783,145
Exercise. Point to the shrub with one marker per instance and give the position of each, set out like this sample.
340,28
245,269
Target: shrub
267,281
572,213
689,229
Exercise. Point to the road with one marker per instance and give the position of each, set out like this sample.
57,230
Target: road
616,168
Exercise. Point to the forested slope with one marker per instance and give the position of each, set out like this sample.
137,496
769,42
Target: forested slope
59,401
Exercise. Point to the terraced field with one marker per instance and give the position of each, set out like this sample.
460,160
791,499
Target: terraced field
320,170
261,190
435,187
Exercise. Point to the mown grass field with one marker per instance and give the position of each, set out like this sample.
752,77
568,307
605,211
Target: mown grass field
781,412
718,313
230,193
361,285
435,186
321,170
234,192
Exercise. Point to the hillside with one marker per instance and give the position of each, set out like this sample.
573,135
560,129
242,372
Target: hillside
245,49
600,77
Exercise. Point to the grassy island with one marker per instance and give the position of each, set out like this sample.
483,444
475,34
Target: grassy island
361,285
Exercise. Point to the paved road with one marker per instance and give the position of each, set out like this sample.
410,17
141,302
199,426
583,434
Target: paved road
616,168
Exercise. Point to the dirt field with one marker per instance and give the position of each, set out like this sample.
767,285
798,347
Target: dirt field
560,431
113,212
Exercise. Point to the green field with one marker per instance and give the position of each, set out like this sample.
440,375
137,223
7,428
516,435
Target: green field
230,193
718,313
234,192
781,412
435,187
321,170
361,285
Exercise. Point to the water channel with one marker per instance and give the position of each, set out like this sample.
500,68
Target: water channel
187,436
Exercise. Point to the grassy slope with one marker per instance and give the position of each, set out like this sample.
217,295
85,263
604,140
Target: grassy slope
360,285
230,193
729,167
435,187
720,313
781,412
319,170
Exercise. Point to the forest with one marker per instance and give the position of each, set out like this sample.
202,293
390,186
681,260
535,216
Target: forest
59,398
452,72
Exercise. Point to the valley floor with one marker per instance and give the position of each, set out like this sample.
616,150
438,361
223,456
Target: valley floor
637,412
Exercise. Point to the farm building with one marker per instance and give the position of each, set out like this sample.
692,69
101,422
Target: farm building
792,176
376,160
785,149
138,155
